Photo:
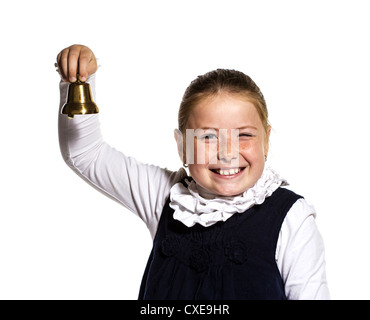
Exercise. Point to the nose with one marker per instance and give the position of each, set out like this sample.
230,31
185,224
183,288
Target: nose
228,148
227,157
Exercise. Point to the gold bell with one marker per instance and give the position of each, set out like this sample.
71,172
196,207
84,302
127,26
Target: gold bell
79,100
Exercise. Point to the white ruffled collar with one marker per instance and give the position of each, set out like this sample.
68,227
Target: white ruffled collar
194,205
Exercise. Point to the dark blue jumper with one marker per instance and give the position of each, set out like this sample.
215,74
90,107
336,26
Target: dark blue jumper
230,260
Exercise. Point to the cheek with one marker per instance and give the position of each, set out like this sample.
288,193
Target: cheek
252,150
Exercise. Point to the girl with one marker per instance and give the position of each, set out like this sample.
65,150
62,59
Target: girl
228,230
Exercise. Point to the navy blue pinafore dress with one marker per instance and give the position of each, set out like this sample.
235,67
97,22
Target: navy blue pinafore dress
231,260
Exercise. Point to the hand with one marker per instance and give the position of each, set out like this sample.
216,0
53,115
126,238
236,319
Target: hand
76,58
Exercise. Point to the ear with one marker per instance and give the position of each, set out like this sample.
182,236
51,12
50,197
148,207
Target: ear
267,141
180,144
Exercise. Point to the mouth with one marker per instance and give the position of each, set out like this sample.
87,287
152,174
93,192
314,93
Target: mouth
228,172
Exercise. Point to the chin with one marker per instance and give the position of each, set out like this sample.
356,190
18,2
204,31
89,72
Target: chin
232,192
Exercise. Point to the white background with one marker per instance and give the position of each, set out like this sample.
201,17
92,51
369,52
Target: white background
61,239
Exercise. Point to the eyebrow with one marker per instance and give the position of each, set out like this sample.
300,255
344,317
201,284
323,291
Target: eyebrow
248,127
244,127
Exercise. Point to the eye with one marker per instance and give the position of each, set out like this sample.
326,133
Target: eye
209,137
247,135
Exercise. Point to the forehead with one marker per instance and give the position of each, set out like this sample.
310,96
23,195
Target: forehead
224,111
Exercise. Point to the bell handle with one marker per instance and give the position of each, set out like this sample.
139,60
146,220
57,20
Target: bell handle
78,78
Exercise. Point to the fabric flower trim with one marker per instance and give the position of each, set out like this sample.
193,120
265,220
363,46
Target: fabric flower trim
236,252
192,253
170,246
191,208
199,256
199,260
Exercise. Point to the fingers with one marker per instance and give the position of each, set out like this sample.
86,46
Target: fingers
76,60
62,61
67,62
86,57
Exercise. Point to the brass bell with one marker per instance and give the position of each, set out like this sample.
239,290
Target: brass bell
79,100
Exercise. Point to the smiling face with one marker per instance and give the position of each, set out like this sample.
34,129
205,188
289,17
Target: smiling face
229,146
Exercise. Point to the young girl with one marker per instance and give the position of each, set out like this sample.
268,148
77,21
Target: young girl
228,230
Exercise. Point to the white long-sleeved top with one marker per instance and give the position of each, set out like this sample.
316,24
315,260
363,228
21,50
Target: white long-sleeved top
143,189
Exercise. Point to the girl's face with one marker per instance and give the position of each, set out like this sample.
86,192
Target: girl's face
227,155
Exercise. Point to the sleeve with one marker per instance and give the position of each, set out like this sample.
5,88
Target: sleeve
139,187
301,255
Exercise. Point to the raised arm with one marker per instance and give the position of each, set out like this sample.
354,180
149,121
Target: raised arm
141,188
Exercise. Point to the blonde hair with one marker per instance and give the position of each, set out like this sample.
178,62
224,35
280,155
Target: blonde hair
216,82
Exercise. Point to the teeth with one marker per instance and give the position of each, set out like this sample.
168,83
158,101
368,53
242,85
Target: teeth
228,172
